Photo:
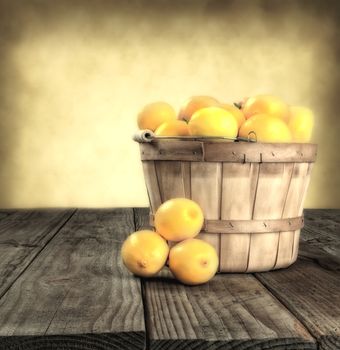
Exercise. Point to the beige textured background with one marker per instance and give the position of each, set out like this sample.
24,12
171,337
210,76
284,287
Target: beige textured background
73,75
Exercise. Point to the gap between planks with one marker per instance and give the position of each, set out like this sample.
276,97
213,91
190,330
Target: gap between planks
37,254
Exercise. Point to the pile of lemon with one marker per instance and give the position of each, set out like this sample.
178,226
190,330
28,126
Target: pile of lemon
192,261
264,117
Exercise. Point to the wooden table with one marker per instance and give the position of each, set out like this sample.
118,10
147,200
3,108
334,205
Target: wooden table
63,286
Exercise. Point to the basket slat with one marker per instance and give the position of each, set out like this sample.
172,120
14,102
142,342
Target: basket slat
205,190
152,184
271,193
238,192
300,211
170,179
292,205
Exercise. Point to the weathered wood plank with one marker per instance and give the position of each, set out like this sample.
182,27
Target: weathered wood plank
312,294
76,286
229,312
322,230
71,342
320,237
4,213
23,234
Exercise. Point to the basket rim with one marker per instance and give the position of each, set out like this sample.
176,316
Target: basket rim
239,152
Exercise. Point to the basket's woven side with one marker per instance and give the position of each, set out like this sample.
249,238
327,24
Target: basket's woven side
238,194
271,193
291,209
206,180
300,211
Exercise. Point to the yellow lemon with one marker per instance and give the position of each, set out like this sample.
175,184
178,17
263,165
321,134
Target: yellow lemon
193,261
266,104
178,219
236,112
213,121
154,114
173,128
301,123
144,253
267,129
195,103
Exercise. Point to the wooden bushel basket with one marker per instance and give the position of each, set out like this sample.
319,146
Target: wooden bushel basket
252,194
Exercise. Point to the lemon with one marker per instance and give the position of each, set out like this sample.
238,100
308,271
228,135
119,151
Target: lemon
266,104
178,219
266,128
194,104
213,121
154,114
236,112
193,261
173,128
144,253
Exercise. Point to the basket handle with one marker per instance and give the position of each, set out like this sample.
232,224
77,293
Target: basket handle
143,136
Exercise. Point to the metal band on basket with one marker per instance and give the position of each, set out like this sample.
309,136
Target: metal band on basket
249,226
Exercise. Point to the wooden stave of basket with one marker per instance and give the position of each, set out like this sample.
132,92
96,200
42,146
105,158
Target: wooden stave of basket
245,190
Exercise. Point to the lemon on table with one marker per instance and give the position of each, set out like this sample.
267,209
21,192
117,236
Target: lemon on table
301,123
266,128
266,104
213,121
144,253
173,128
193,261
178,219
194,104
154,114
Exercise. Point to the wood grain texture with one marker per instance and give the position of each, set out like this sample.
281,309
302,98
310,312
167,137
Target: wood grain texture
172,150
271,193
6,212
238,194
300,210
322,230
244,152
23,234
109,341
78,285
173,179
229,312
152,185
255,226
226,151
320,238
206,182
294,201
312,294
